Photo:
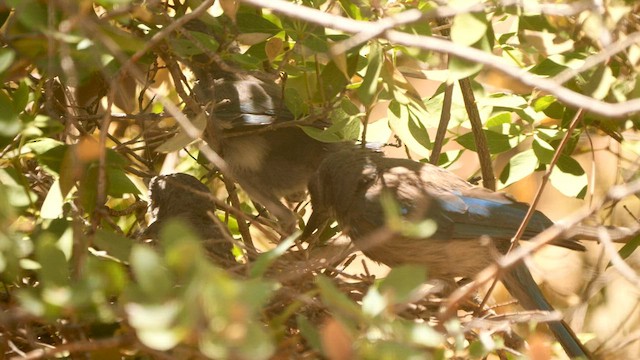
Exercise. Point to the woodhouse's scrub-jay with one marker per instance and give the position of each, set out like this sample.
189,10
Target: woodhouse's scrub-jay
350,184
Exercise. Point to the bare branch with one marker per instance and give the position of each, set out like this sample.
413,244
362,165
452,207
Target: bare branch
482,148
616,260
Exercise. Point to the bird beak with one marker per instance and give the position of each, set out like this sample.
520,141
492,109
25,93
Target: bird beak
315,225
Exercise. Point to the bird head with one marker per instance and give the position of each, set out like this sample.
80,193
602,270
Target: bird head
341,181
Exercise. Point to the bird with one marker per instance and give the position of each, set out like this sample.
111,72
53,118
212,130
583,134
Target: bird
269,161
351,186
182,196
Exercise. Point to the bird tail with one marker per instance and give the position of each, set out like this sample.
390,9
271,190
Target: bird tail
521,285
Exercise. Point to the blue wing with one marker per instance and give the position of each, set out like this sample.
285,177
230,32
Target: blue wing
465,217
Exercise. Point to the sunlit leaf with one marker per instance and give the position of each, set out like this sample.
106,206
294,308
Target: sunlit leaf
544,152
406,120
600,83
468,28
496,142
543,102
520,166
569,177
369,86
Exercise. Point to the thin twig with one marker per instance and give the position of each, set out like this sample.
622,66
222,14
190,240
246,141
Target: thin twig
616,260
445,113
443,125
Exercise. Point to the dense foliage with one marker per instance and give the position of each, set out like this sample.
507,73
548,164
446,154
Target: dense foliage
96,99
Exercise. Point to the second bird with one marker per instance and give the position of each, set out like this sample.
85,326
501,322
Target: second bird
351,185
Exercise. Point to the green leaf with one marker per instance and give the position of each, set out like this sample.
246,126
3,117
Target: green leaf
31,302
544,152
547,67
295,103
630,247
369,87
402,282
55,269
569,177
152,276
477,350
519,167
496,142
468,28
21,97
32,14
6,58
600,83
425,335
254,293
114,244
406,120
498,120
353,10
53,202
177,238
252,23
543,102
107,277
535,22
41,145
119,183
187,47
333,80
51,159
10,124
460,69
504,101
